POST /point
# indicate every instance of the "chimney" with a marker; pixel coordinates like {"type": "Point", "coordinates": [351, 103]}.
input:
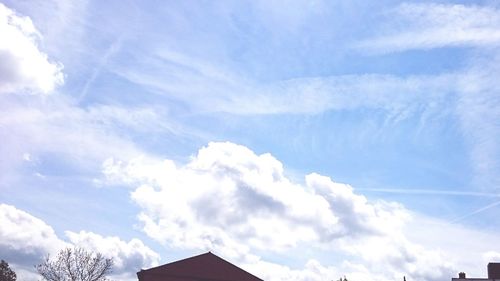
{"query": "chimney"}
{"type": "Point", "coordinates": [494, 270]}
{"type": "Point", "coordinates": [461, 275]}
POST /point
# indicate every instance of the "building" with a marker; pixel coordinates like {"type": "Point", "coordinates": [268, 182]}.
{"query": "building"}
{"type": "Point", "coordinates": [204, 267]}
{"type": "Point", "coordinates": [493, 274]}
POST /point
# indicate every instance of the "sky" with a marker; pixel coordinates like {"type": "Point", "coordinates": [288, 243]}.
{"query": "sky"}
{"type": "Point", "coordinates": [299, 140]}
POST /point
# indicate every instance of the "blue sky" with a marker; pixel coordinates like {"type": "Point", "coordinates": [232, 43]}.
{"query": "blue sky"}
{"type": "Point", "coordinates": [301, 140]}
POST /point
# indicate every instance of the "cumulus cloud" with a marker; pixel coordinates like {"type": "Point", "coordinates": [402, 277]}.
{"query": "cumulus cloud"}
{"type": "Point", "coordinates": [237, 203]}
{"type": "Point", "coordinates": [25, 240]}
{"type": "Point", "coordinates": [23, 67]}
{"type": "Point", "coordinates": [227, 195]}
{"type": "Point", "coordinates": [127, 256]}
{"type": "Point", "coordinates": [312, 270]}
{"type": "Point", "coordinates": [430, 25]}
{"type": "Point", "coordinates": [398, 256]}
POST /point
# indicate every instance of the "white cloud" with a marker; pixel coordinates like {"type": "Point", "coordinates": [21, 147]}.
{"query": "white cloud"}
{"type": "Point", "coordinates": [311, 271]}
{"type": "Point", "coordinates": [34, 125]}
{"type": "Point", "coordinates": [240, 205]}
{"type": "Point", "coordinates": [25, 240]}
{"type": "Point", "coordinates": [237, 203]}
{"type": "Point", "coordinates": [466, 251]}
{"type": "Point", "coordinates": [468, 95]}
{"type": "Point", "coordinates": [430, 25]}
{"type": "Point", "coordinates": [128, 257]}
{"type": "Point", "coordinates": [491, 256]}
{"type": "Point", "coordinates": [228, 195]}
{"type": "Point", "coordinates": [397, 256]}
{"type": "Point", "coordinates": [23, 67]}
{"type": "Point", "coordinates": [478, 109]}
{"type": "Point", "coordinates": [82, 137]}
{"type": "Point", "coordinates": [205, 87]}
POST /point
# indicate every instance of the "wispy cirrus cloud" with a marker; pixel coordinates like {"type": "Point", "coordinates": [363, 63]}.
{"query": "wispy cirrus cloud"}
{"type": "Point", "coordinates": [207, 88]}
{"type": "Point", "coordinates": [55, 126]}
{"type": "Point", "coordinates": [478, 109]}
{"type": "Point", "coordinates": [431, 25]}
{"type": "Point", "coordinates": [463, 95]}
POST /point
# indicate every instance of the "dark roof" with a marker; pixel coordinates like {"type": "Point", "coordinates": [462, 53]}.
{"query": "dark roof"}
{"type": "Point", "coordinates": [493, 270]}
{"type": "Point", "coordinates": [206, 267]}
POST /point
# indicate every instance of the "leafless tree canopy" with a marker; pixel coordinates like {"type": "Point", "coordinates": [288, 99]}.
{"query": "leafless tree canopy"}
{"type": "Point", "coordinates": [75, 265]}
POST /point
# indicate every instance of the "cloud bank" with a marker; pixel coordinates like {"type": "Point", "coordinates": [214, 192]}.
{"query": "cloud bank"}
{"type": "Point", "coordinates": [232, 201]}
{"type": "Point", "coordinates": [229, 195]}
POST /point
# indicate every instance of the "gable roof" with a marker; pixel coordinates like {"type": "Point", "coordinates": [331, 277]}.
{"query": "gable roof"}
{"type": "Point", "coordinates": [206, 267]}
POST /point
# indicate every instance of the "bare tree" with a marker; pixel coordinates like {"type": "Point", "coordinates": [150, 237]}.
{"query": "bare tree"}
{"type": "Point", "coordinates": [6, 273]}
{"type": "Point", "coordinates": [75, 265]}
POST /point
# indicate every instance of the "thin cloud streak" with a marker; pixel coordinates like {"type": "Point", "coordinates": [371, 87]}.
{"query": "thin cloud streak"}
{"type": "Point", "coordinates": [113, 48]}
{"type": "Point", "coordinates": [429, 192]}
{"type": "Point", "coordinates": [487, 207]}
{"type": "Point", "coordinates": [430, 25]}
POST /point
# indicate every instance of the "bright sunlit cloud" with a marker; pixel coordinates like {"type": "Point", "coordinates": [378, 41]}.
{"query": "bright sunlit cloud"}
{"type": "Point", "coordinates": [24, 67]}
